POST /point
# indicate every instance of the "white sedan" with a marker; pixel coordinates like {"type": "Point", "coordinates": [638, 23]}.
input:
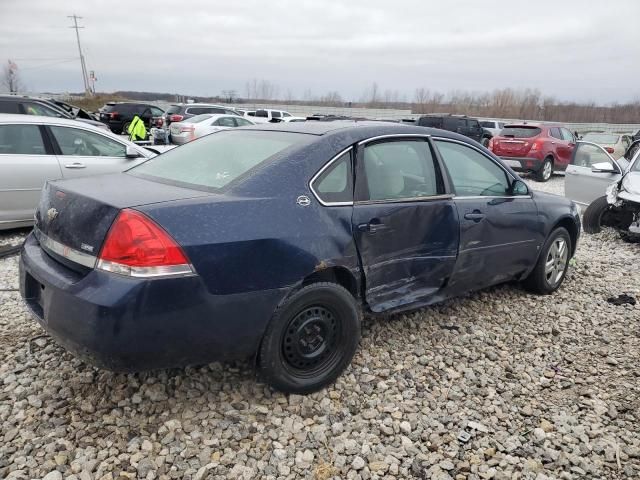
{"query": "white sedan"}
{"type": "Point", "coordinates": [201, 125]}
{"type": "Point", "coordinates": [35, 149]}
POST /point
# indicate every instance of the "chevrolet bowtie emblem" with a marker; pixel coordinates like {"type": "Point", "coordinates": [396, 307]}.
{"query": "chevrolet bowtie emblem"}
{"type": "Point", "coordinates": [52, 213]}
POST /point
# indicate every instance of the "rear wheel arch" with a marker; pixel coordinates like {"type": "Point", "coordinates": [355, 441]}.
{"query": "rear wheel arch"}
{"type": "Point", "coordinates": [338, 275]}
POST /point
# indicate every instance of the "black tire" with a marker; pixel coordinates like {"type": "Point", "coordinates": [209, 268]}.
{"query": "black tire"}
{"type": "Point", "coordinates": [310, 340]}
{"type": "Point", "coordinates": [125, 128]}
{"type": "Point", "coordinates": [485, 141]}
{"type": "Point", "coordinates": [546, 170]}
{"type": "Point", "coordinates": [592, 218]}
{"type": "Point", "coordinates": [539, 280]}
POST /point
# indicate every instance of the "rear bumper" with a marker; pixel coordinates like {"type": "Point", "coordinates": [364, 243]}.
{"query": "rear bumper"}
{"type": "Point", "coordinates": [127, 324]}
{"type": "Point", "coordinates": [179, 139]}
{"type": "Point", "coordinates": [523, 164]}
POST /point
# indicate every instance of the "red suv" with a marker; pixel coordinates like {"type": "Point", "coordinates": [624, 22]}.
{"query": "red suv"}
{"type": "Point", "coordinates": [540, 149]}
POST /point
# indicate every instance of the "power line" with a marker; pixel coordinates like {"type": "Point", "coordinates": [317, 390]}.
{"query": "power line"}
{"type": "Point", "coordinates": [85, 78]}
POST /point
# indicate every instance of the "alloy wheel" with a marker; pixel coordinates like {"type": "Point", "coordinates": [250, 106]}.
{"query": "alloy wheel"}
{"type": "Point", "coordinates": [547, 170]}
{"type": "Point", "coordinates": [556, 262]}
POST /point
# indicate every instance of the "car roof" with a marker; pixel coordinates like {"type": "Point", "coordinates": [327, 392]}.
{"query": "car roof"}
{"type": "Point", "coordinates": [356, 129]}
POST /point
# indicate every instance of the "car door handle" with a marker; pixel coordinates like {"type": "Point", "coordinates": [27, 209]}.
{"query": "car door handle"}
{"type": "Point", "coordinates": [372, 227]}
{"type": "Point", "coordinates": [476, 216]}
{"type": "Point", "coordinates": [75, 165]}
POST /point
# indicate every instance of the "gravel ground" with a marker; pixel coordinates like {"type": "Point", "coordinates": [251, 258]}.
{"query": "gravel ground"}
{"type": "Point", "coordinates": [547, 387]}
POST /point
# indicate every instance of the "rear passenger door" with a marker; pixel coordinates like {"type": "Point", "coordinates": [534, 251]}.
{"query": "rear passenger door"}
{"type": "Point", "coordinates": [83, 152]}
{"type": "Point", "coordinates": [499, 232]}
{"type": "Point", "coordinates": [26, 162]}
{"type": "Point", "coordinates": [404, 221]}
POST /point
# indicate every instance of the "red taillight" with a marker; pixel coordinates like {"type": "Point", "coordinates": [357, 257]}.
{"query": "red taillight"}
{"type": "Point", "coordinates": [609, 149]}
{"type": "Point", "coordinates": [175, 118]}
{"type": "Point", "coordinates": [534, 146]}
{"type": "Point", "coordinates": [137, 246]}
{"type": "Point", "coordinates": [114, 115]}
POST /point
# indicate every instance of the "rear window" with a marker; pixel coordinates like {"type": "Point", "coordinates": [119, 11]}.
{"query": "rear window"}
{"type": "Point", "coordinates": [520, 132]}
{"type": "Point", "coordinates": [216, 160]}
{"type": "Point", "coordinates": [173, 109]}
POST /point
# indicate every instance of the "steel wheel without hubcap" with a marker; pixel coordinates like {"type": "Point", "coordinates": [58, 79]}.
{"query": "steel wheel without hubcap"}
{"type": "Point", "coordinates": [311, 340]}
{"type": "Point", "coordinates": [556, 262]}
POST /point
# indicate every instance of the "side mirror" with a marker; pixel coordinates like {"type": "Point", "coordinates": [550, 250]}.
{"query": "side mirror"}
{"type": "Point", "coordinates": [603, 167]}
{"type": "Point", "coordinates": [131, 152]}
{"type": "Point", "coordinates": [518, 187]}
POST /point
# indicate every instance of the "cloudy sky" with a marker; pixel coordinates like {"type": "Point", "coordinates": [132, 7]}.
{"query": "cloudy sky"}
{"type": "Point", "coordinates": [574, 50]}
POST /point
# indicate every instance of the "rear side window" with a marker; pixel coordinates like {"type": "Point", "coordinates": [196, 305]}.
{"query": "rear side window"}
{"type": "Point", "coordinates": [435, 122]}
{"type": "Point", "coordinates": [9, 107]}
{"type": "Point", "coordinates": [261, 113]}
{"type": "Point", "coordinates": [241, 122]}
{"type": "Point", "coordinates": [472, 173]}
{"type": "Point", "coordinates": [555, 133]}
{"type": "Point", "coordinates": [335, 184]}
{"type": "Point", "coordinates": [520, 132]}
{"type": "Point", "coordinates": [216, 160]}
{"type": "Point", "coordinates": [401, 169]}
{"type": "Point", "coordinates": [225, 122]}
{"type": "Point", "coordinates": [452, 124]}
{"type": "Point", "coordinates": [21, 140]}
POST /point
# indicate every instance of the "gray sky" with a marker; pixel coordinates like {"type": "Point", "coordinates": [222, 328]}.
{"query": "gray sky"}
{"type": "Point", "coordinates": [574, 50]}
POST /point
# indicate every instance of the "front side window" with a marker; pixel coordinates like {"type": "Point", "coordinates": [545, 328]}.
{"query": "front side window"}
{"type": "Point", "coordinates": [21, 140]}
{"type": "Point", "coordinates": [567, 135]}
{"type": "Point", "coordinates": [216, 160]}
{"type": "Point", "coordinates": [275, 114]}
{"type": "Point", "coordinates": [77, 142]}
{"type": "Point", "coordinates": [587, 155]}
{"type": "Point", "coordinates": [335, 184]}
{"type": "Point", "coordinates": [401, 169]}
{"type": "Point", "coordinates": [261, 113]}
{"type": "Point", "coordinates": [472, 173]}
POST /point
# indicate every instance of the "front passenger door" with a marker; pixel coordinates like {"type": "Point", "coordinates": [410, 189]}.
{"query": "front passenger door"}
{"type": "Point", "coordinates": [499, 232]}
{"type": "Point", "coordinates": [405, 223]}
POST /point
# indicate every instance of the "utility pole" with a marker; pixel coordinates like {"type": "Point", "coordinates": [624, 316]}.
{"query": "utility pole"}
{"type": "Point", "coordinates": [85, 78]}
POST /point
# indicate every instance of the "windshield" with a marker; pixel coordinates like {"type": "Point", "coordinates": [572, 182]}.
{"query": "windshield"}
{"type": "Point", "coordinates": [600, 138]}
{"type": "Point", "coordinates": [216, 160]}
{"type": "Point", "coordinates": [198, 118]}
{"type": "Point", "coordinates": [520, 132]}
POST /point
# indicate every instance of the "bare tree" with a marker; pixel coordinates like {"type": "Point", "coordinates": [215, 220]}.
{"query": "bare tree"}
{"type": "Point", "coordinates": [10, 78]}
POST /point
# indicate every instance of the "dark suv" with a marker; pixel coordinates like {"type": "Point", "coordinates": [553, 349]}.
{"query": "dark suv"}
{"type": "Point", "coordinates": [118, 116]}
{"type": "Point", "coordinates": [467, 126]}
{"type": "Point", "coordinates": [181, 111]}
{"type": "Point", "coordinates": [37, 106]}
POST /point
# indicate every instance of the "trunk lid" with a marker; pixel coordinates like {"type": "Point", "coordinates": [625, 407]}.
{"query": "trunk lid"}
{"type": "Point", "coordinates": [78, 213]}
{"type": "Point", "coordinates": [511, 147]}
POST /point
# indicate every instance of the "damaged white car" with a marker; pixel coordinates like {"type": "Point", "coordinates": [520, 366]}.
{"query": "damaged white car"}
{"type": "Point", "coordinates": [609, 188]}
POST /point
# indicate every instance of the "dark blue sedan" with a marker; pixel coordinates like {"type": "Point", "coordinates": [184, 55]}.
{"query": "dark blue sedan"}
{"type": "Point", "coordinates": [270, 241]}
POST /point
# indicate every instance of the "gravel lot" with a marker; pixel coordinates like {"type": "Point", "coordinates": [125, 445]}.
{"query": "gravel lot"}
{"type": "Point", "coordinates": [552, 384]}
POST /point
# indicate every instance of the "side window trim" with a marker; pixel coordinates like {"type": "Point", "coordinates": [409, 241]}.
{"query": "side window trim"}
{"type": "Point", "coordinates": [322, 170]}
{"type": "Point", "coordinates": [509, 174]}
